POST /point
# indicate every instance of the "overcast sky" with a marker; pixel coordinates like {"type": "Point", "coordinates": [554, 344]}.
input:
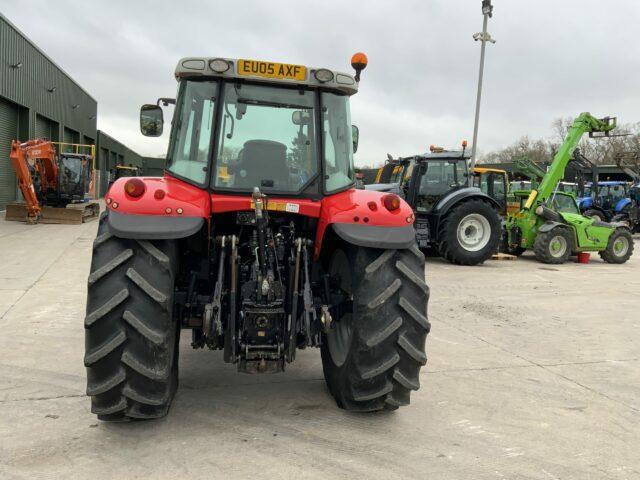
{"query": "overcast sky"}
{"type": "Point", "coordinates": [552, 58]}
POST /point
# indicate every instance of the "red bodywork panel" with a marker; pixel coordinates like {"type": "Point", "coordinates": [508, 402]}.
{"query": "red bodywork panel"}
{"type": "Point", "coordinates": [193, 201]}
{"type": "Point", "coordinates": [363, 207]}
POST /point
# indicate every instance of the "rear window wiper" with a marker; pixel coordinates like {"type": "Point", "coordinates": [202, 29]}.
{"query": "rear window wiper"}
{"type": "Point", "coordinates": [266, 103]}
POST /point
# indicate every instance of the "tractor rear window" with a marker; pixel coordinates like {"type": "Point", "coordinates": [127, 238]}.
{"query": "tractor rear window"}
{"type": "Point", "coordinates": [266, 139]}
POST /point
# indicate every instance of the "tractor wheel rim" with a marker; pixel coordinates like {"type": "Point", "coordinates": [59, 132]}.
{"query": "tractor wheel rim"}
{"type": "Point", "coordinates": [474, 232]}
{"type": "Point", "coordinates": [340, 336]}
{"type": "Point", "coordinates": [620, 246]}
{"type": "Point", "coordinates": [558, 246]}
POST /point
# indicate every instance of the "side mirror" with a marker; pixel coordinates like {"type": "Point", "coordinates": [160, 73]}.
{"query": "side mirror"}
{"type": "Point", "coordinates": [355, 135]}
{"type": "Point", "coordinates": [151, 120]}
{"type": "Point", "coordinates": [301, 117]}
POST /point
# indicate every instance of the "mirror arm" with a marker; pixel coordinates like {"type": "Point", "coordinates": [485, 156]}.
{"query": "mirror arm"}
{"type": "Point", "coordinates": [166, 101]}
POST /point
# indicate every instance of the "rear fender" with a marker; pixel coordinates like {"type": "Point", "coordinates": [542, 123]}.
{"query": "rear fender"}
{"type": "Point", "coordinates": [585, 203]}
{"type": "Point", "coordinates": [548, 226]}
{"type": "Point", "coordinates": [453, 198]}
{"type": "Point", "coordinates": [622, 204]}
{"type": "Point", "coordinates": [359, 217]}
{"type": "Point", "coordinates": [179, 213]}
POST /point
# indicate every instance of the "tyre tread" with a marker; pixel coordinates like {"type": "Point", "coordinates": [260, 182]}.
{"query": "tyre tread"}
{"type": "Point", "coordinates": [387, 351]}
{"type": "Point", "coordinates": [131, 352]}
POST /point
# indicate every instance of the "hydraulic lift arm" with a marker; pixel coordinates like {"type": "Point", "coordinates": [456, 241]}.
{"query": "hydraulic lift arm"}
{"type": "Point", "coordinates": [582, 165]}
{"type": "Point", "coordinates": [529, 169]}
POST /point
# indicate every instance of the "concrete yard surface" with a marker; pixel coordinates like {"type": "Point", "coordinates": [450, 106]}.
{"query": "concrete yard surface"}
{"type": "Point", "coordinates": [533, 373]}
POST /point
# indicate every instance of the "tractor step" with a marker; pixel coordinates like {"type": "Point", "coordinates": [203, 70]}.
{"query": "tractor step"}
{"type": "Point", "coordinates": [503, 256]}
{"type": "Point", "coordinates": [73, 214]}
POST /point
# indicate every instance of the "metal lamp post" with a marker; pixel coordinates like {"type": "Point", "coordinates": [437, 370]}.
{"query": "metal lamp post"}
{"type": "Point", "coordinates": [484, 37]}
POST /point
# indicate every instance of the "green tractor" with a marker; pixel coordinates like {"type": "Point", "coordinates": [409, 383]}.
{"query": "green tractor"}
{"type": "Point", "coordinates": [550, 223]}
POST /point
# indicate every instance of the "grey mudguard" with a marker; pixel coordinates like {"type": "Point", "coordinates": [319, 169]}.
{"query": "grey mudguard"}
{"type": "Point", "coordinates": [452, 198]}
{"type": "Point", "coordinates": [376, 237]}
{"type": "Point", "coordinates": [152, 227]}
{"type": "Point", "coordinates": [548, 226]}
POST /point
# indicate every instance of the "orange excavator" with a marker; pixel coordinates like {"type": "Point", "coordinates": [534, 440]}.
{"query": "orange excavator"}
{"type": "Point", "coordinates": [55, 186]}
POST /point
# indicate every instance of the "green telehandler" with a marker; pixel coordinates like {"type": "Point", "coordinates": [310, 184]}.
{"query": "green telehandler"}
{"type": "Point", "coordinates": [550, 222]}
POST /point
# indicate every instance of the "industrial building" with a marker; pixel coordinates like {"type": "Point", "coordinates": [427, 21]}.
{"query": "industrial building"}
{"type": "Point", "coordinates": [109, 153]}
{"type": "Point", "coordinates": [38, 99]}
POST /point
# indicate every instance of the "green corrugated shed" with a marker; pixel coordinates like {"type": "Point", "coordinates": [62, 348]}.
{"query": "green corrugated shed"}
{"type": "Point", "coordinates": [153, 167]}
{"type": "Point", "coordinates": [37, 99]}
{"type": "Point", "coordinates": [110, 152]}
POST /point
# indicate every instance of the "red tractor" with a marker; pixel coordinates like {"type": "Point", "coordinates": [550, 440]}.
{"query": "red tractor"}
{"type": "Point", "coordinates": [258, 242]}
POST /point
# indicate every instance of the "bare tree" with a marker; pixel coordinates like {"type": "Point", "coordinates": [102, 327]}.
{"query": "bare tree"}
{"type": "Point", "coordinates": [542, 150]}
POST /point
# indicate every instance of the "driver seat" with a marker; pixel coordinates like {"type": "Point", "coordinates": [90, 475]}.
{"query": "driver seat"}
{"type": "Point", "coordinates": [263, 163]}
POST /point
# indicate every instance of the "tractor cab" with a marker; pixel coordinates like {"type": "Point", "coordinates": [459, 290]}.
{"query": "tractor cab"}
{"type": "Point", "coordinates": [74, 177]}
{"type": "Point", "coordinates": [493, 182]}
{"type": "Point", "coordinates": [436, 174]}
{"type": "Point", "coordinates": [285, 129]}
{"type": "Point", "coordinates": [122, 171]}
{"type": "Point", "coordinates": [604, 199]}
{"type": "Point", "coordinates": [561, 202]}
{"type": "Point", "coordinates": [393, 176]}
{"type": "Point", "coordinates": [461, 222]}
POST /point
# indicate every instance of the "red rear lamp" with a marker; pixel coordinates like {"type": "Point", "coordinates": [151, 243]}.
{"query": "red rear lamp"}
{"type": "Point", "coordinates": [134, 187]}
{"type": "Point", "coordinates": [372, 206]}
{"type": "Point", "coordinates": [391, 202]}
{"type": "Point", "coordinates": [159, 194]}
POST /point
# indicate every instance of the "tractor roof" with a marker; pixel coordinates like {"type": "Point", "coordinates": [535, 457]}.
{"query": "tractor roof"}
{"type": "Point", "coordinates": [268, 72]}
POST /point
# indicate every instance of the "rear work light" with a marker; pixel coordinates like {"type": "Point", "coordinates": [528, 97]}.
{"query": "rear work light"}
{"type": "Point", "coordinates": [219, 65]}
{"type": "Point", "coordinates": [134, 187]}
{"type": "Point", "coordinates": [391, 202]}
{"type": "Point", "coordinates": [323, 75]}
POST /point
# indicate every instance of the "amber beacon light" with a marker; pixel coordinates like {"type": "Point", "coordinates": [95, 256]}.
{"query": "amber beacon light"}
{"type": "Point", "coordinates": [359, 62]}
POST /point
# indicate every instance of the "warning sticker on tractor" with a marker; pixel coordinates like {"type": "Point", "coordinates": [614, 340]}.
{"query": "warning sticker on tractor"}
{"type": "Point", "coordinates": [256, 68]}
{"type": "Point", "coordinates": [292, 207]}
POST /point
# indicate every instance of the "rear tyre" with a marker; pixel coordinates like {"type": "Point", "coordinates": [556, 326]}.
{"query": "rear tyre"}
{"type": "Point", "coordinates": [131, 339]}
{"type": "Point", "coordinates": [470, 233]}
{"type": "Point", "coordinates": [554, 246]}
{"type": "Point", "coordinates": [372, 357]}
{"type": "Point", "coordinates": [619, 248]}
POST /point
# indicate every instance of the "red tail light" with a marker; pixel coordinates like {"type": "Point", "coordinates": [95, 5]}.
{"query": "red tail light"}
{"type": "Point", "coordinates": [134, 187]}
{"type": "Point", "coordinates": [391, 202]}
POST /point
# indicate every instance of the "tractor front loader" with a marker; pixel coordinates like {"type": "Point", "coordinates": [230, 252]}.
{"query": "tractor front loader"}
{"type": "Point", "coordinates": [255, 241]}
{"type": "Point", "coordinates": [550, 222]}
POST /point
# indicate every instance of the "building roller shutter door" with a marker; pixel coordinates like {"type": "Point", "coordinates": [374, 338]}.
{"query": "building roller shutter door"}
{"type": "Point", "coordinates": [46, 128]}
{"type": "Point", "coordinates": [70, 136]}
{"type": "Point", "coordinates": [8, 132]}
